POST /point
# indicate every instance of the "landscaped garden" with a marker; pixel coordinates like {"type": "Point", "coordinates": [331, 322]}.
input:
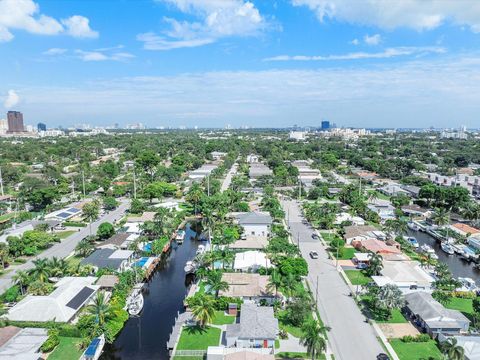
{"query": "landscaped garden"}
{"type": "Point", "coordinates": [221, 318]}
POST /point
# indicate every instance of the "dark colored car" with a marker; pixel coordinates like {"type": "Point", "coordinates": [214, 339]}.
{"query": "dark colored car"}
{"type": "Point", "coordinates": [314, 236]}
{"type": "Point", "coordinates": [383, 356]}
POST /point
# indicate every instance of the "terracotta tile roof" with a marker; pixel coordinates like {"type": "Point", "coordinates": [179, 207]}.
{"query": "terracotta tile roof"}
{"type": "Point", "coordinates": [466, 228]}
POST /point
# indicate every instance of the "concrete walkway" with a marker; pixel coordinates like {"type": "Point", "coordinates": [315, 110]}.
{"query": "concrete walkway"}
{"type": "Point", "coordinates": [350, 337]}
{"type": "Point", "coordinates": [292, 345]}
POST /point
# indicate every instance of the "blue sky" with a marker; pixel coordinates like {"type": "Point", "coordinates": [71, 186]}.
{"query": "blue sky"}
{"type": "Point", "coordinates": [361, 63]}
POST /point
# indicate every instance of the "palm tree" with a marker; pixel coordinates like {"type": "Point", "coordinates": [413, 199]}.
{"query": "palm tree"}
{"type": "Point", "coordinates": [194, 195]}
{"type": "Point", "coordinates": [215, 282]}
{"type": "Point", "coordinates": [58, 267]}
{"type": "Point", "coordinates": [90, 213]}
{"type": "Point", "coordinates": [390, 297]}
{"type": "Point", "coordinates": [41, 271]}
{"type": "Point", "coordinates": [472, 212]}
{"type": "Point", "coordinates": [452, 350]}
{"type": "Point", "coordinates": [373, 196]}
{"type": "Point", "coordinates": [4, 254]}
{"type": "Point", "coordinates": [312, 338]}
{"type": "Point", "coordinates": [203, 308]}
{"type": "Point", "coordinates": [375, 264]}
{"type": "Point", "coordinates": [442, 270]}
{"type": "Point", "coordinates": [441, 217]}
{"type": "Point", "coordinates": [289, 284]}
{"type": "Point", "coordinates": [22, 279]}
{"type": "Point", "coordinates": [274, 282]}
{"type": "Point", "coordinates": [84, 248]}
{"type": "Point", "coordinates": [100, 309]}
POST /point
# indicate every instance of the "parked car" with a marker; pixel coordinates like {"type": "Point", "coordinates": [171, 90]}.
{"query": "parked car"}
{"type": "Point", "coordinates": [383, 356]}
{"type": "Point", "coordinates": [313, 254]}
{"type": "Point", "coordinates": [362, 266]}
{"type": "Point", "coordinates": [314, 236]}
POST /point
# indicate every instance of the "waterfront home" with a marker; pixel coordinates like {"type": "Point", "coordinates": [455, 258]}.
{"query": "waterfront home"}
{"type": "Point", "coordinates": [474, 241]}
{"type": "Point", "coordinates": [250, 242]}
{"type": "Point", "coordinates": [251, 261]}
{"type": "Point", "coordinates": [119, 241]}
{"type": "Point", "coordinates": [415, 211]}
{"type": "Point", "coordinates": [471, 346]}
{"type": "Point", "coordinates": [21, 344]}
{"type": "Point", "coordinates": [464, 229]}
{"type": "Point", "coordinates": [376, 246]}
{"type": "Point", "coordinates": [224, 353]}
{"type": "Point", "coordinates": [255, 223]}
{"type": "Point", "coordinates": [346, 217]}
{"type": "Point", "coordinates": [384, 209]}
{"type": "Point", "coordinates": [258, 328]}
{"type": "Point", "coordinates": [248, 287]}
{"type": "Point", "coordinates": [107, 282]}
{"type": "Point", "coordinates": [359, 232]}
{"type": "Point", "coordinates": [407, 275]}
{"type": "Point", "coordinates": [108, 258]}
{"type": "Point", "coordinates": [392, 189]}
{"type": "Point", "coordinates": [433, 317]}
{"type": "Point", "coordinates": [133, 228]}
{"type": "Point", "coordinates": [69, 296]}
{"type": "Point", "coordinates": [146, 216]}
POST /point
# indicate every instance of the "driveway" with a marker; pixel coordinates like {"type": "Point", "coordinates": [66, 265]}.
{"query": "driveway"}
{"type": "Point", "coordinates": [64, 248]}
{"type": "Point", "coordinates": [350, 337]}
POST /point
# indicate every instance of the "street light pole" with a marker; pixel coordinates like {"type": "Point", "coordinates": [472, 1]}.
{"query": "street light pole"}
{"type": "Point", "coordinates": [316, 295]}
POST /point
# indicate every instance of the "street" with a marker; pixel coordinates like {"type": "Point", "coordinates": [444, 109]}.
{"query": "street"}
{"type": "Point", "coordinates": [228, 179]}
{"type": "Point", "coordinates": [350, 336]}
{"type": "Point", "coordinates": [64, 248]}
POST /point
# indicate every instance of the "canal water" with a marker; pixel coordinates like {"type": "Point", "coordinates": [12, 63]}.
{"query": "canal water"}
{"type": "Point", "coordinates": [458, 267]}
{"type": "Point", "coordinates": [146, 337]}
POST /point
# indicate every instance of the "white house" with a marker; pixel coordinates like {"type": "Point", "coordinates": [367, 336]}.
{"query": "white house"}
{"type": "Point", "coordinates": [251, 261]}
{"type": "Point", "coordinates": [344, 217]}
{"type": "Point", "coordinates": [255, 223]}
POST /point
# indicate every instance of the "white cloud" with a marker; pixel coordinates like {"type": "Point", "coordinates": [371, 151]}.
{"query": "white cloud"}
{"type": "Point", "coordinates": [386, 54]}
{"type": "Point", "coordinates": [355, 42]}
{"type": "Point", "coordinates": [216, 19]}
{"type": "Point", "coordinates": [55, 52]}
{"type": "Point", "coordinates": [386, 14]}
{"type": "Point", "coordinates": [442, 92]}
{"type": "Point", "coordinates": [78, 26]}
{"type": "Point", "coordinates": [372, 40]}
{"type": "Point", "coordinates": [103, 56]}
{"type": "Point", "coordinates": [25, 15]}
{"type": "Point", "coordinates": [11, 100]}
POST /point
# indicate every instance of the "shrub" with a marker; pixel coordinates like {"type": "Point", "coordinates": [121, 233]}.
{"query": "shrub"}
{"type": "Point", "coordinates": [51, 343]}
{"type": "Point", "coordinates": [74, 224]}
{"type": "Point", "coordinates": [419, 338]}
{"type": "Point", "coordinates": [11, 295]}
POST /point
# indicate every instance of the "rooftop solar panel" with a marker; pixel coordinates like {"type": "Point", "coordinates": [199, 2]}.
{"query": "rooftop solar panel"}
{"type": "Point", "coordinates": [80, 298]}
{"type": "Point", "coordinates": [73, 210]}
{"type": "Point", "coordinates": [64, 215]}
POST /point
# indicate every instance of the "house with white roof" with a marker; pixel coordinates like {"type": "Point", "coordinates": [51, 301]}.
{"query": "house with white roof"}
{"type": "Point", "coordinates": [407, 275]}
{"type": "Point", "coordinates": [69, 296]}
{"type": "Point", "coordinates": [251, 261]}
{"type": "Point", "coordinates": [346, 217]}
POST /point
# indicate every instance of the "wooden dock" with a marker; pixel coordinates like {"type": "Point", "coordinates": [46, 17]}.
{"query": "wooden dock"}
{"type": "Point", "coordinates": [180, 320]}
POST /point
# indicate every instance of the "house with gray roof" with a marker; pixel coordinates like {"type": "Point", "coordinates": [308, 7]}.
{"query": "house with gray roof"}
{"type": "Point", "coordinates": [433, 317]}
{"type": "Point", "coordinates": [21, 344]}
{"type": "Point", "coordinates": [108, 258]}
{"type": "Point", "coordinates": [255, 223]}
{"type": "Point", "coordinates": [258, 328]}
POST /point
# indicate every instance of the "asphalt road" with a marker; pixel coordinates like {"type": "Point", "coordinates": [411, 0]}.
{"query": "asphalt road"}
{"type": "Point", "coordinates": [350, 337]}
{"type": "Point", "coordinates": [64, 248]}
{"type": "Point", "coordinates": [228, 178]}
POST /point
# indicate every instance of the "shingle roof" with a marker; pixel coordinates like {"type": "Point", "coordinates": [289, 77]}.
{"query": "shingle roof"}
{"type": "Point", "coordinates": [257, 218]}
{"type": "Point", "coordinates": [245, 284]}
{"type": "Point", "coordinates": [256, 322]}
{"type": "Point", "coordinates": [107, 258]}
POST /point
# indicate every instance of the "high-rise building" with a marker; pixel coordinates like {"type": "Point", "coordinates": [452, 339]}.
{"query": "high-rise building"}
{"type": "Point", "coordinates": [3, 126]}
{"type": "Point", "coordinates": [15, 122]}
{"type": "Point", "coordinates": [41, 127]}
{"type": "Point", "coordinates": [325, 125]}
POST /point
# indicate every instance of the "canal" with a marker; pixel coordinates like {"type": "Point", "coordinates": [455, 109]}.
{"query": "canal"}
{"type": "Point", "coordinates": [458, 267]}
{"type": "Point", "coordinates": [145, 337]}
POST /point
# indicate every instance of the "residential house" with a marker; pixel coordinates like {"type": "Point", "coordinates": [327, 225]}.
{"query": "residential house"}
{"type": "Point", "coordinates": [258, 170]}
{"type": "Point", "coordinates": [224, 353]}
{"type": "Point", "coordinates": [376, 246]}
{"type": "Point", "coordinates": [470, 345]}
{"type": "Point", "coordinates": [433, 317]}
{"type": "Point", "coordinates": [218, 155]}
{"type": "Point", "coordinates": [21, 344]}
{"type": "Point", "coordinates": [412, 190]}
{"type": "Point", "coordinates": [108, 258]}
{"type": "Point", "coordinates": [248, 286]}
{"type": "Point", "coordinates": [251, 261]}
{"type": "Point", "coordinates": [464, 229]}
{"type": "Point", "coordinates": [359, 232]}
{"type": "Point", "coordinates": [258, 328]}
{"type": "Point", "coordinates": [407, 275]}
{"type": "Point", "coordinates": [255, 223]}
{"type": "Point", "coordinates": [392, 189]}
{"type": "Point", "coordinates": [415, 211]}
{"type": "Point", "coordinates": [346, 217]}
{"type": "Point", "coordinates": [384, 209]}
{"type": "Point", "coordinates": [252, 158]}
{"type": "Point", "coordinates": [250, 242]}
{"type": "Point", "coordinates": [69, 296]}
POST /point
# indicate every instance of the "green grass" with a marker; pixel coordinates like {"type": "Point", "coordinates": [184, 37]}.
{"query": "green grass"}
{"type": "Point", "coordinates": [65, 234]}
{"type": "Point", "coordinates": [328, 237]}
{"type": "Point", "coordinates": [6, 217]}
{"type": "Point", "coordinates": [66, 350]}
{"type": "Point", "coordinates": [463, 305]}
{"type": "Point", "coordinates": [196, 338]}
{"type": "Point", "coordinates": [357, 277]}
{"type": "Point", "coordinates": [347, 254]}
{"type": "Point", "coordinates": [285, 325]}
{"type": "Point", "coordinates": [380, 195]}
{"type": "Point", "coordinates": [396, 318]}
{"type": "Point", "coordinates": [73, 261]}
{"type": "Point", "coordinates": [296, 355]}
{"type": "Point", "coordinates": [223, 319]}
{"type": "Point", "coordinates": [416, 351]}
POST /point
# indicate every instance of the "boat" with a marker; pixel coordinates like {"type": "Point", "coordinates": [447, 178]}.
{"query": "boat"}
{"type": "Point", "coordinates": [180, 236]}
{"type": "Point", "coordinates": [412, 241]}
{"type": "Point", "coordinates": [447, 248]}
{"type": "Point", "coordinates": [190, 267]}
{"type": "Point", "coordinates": [412, 226]}
{"type": "Point", "coordinates": [94, 349]}
{"type": "Point", "coordinates": [201, 249]}
{"type": "Point", "coordinates": [135, 300]}
{"type": "Point", "coordinates": [467, 284]}
{"type": "Point", "coordinates": [428, 250]}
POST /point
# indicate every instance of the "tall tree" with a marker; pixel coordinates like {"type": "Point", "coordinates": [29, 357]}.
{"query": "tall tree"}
{"type": "Point", "coordinates": [313, 339]}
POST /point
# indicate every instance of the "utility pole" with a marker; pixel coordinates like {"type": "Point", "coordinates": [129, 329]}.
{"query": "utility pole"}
{"type": "Point", "coordinates": [83, 183]}
{"type": "Point", "coordinates": [1, 182]}
{"type": "Point", "coordinates": [73, 187]}
{"type": "Point", "coordinates": [299, 189]}
{"type": "Point", "coordinates": [134, 185]}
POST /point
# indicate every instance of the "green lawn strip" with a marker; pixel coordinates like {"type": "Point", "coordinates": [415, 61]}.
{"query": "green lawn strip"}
{"type": "Point", "coordinates": [296, 355]}
{"type": "Point", "coordinates": [328, 237]}
{"type": "Point", "coordinates": [8, 216]}
{"type": "Point", "coordinates": [396, 318]}
{"type": "Point", "coordinates": [65, 234]}
{"type": "Point", "coordinates": [66, 350]}
{"type": "Point", "coordinates": [347, 253]}
{"type": "Point", "coordinates": [357, 277]}
{"type": "Point", "coordinates": [463, 305]}
{"type": "Point", "coordinates": [73, 261]}
{"type": "Point", "coordinates": [196, 338]}
{"type": "Point", "coordinates": [223, 319]}
{"type": "Point", "coordinates": [416, 351]}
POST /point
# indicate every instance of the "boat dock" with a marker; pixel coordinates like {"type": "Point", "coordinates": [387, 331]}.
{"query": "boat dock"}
{"type": "Point", "coordinates": [180, 320]}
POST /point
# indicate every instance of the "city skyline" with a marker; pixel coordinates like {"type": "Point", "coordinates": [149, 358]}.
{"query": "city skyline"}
{"type": "Point", "coordinates": [209, 63]}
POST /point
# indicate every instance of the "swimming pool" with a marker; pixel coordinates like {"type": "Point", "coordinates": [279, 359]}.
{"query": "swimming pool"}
{"type": "Point", "coordinates": [141, 262]}
{"type": "Point", "coordinates": [147, 247]}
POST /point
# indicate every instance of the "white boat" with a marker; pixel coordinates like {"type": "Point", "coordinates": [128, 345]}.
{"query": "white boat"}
{"type": "Point", "coordinates": [94, 349]}
{"type": "Point", "coordinates": [412, 226]}
{"type": "Point", "coordinates": [201, 249]}
{"type": "Point", "coordinates": [467, 284]}
{"type": "Point", "coordinates": [180, 236]}
{"type": "Point", "coordinates": [447, 248]}
{"type": "Point", "coordinates": [412, 241]}
{"type": "Point", "coordinates": [135, 300]}
{"type": "Point", "coordinates": [190, 267]}
{"type": "Point", "coordinates": [428, 250]}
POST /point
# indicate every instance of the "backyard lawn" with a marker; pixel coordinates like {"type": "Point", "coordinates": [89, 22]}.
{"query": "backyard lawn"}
{"type": "Point", "coordinates": [396, 318]}
{"type": "Point", "coordinates": [66, 350]}
{"type": "Point", "coordinates": [416, 351]}
{"type": "Point", "coordinates": [463, 305]}
{"type": "Point", "coordinates": [357, 277]}
{"type": "Point", "coordinates": [348, 253]}
{"type": "Point", "coordinates": [196, 338]}
{"type": "Point", "coordinates": [223, 319]}
{"type": "Point", "coordinates": [285, 325]}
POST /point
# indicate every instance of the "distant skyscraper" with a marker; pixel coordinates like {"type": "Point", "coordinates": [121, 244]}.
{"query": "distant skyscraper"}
{"type": "Point", "coordinates": [15, 122]}
{"type": "Point", "coordinates": [325, 125]}
{"type": "Point", "coordinates": [41, 127]}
